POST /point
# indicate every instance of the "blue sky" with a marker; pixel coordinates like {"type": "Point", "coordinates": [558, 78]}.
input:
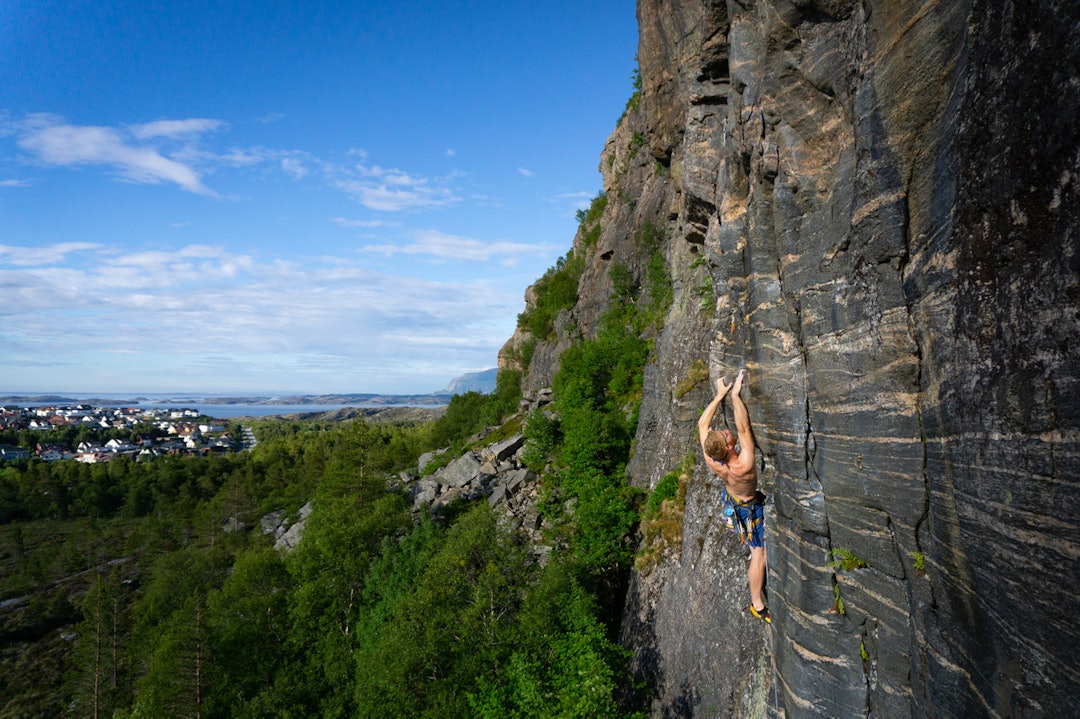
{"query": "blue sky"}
{"type": "Point", "coordinates": [259, 197]}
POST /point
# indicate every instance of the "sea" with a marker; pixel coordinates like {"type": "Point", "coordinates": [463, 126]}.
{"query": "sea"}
{"type": "Point", "coordinates": [209, 405]}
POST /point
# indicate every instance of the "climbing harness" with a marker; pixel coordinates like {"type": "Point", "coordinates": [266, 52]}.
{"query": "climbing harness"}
{"type": "Point", "coordinates": [731, 513]}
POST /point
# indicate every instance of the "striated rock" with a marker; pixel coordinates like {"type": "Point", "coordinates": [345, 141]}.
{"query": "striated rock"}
{"type": "Point", "coordinates": [871, 207]}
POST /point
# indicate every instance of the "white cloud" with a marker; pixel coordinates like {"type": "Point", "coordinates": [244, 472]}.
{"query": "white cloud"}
{"type": "Point", "coordinates": [54, 142]}
{"type": "Point", "coordinates": [169, 151]}
{"type": "Point", "coordinates": [390, 189]}
{"type": "Point", "coordinates": [175, 128]}
{"type": "Point", "coordinates": [577, 197]}
{"type": "Point", "coordinates": [294, 167]}
{"type": "Point", "coordinates": [36, 256]}
{"type": "Point", "coordinates": [270, 117]}
{"type": "Point", "coordinates": [345, 222]}
{"type": "Point", "coordinates": [14, 183]}
{"type": "Point", "coordinates": [577, 200]}
{"type": "Point", "coordinates": [330, 316]}
{"type": "Point", "coordinates": [237, 157]}
{"type": "Point", "coordinates": [392, 195]}
{"type": "Point", "coordinates": [454, 247]}
{"type": "Point", "coordinates": [450, 152]}
{"type": "Point", "coordinates": [526, 172]}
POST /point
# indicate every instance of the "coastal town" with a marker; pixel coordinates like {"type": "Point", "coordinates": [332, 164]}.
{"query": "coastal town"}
{"type": "Point", "coordinates": [93, 434]}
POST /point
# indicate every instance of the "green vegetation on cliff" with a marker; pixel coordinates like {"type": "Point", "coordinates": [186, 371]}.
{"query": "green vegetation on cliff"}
{"type": "Point", "coordinates": [556, 290]}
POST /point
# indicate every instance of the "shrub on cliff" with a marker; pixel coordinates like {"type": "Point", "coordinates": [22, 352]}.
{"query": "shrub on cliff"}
{"type": "Point", "coordinates": [557, 290]}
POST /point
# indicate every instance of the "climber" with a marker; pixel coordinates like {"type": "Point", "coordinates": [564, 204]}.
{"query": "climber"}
{"type": "Point", "coordinates": [735, 465]}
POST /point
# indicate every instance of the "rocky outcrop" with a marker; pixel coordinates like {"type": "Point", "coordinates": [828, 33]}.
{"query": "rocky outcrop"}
{"type": "Point", "coordinates": [495, 473]}
{"type": "Point", "coordinates": [872, 207]}
{"type": "Point", "coordinates": [285, 531]}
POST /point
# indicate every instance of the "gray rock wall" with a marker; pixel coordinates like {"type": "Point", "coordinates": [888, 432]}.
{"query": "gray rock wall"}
{"type": "Point", "coordinates": [872, 207]}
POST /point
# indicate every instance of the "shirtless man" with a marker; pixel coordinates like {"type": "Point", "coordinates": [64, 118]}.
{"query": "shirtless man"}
{"type": "Point", "coordinates": [737, 468]}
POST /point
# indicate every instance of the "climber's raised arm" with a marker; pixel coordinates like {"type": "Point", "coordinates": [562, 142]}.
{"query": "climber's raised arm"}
{"type": "Point", "coordinates": [742, 421]}
{"type": "Point", "coordinates": [705, 422]}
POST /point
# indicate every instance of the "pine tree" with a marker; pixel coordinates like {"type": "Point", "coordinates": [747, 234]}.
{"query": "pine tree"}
{"type": "Point", "coordinates": [98, 659]}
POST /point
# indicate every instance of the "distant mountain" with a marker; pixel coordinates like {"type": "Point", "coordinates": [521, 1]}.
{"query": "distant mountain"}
{"type": "Point", "coordinates": [472, 382]}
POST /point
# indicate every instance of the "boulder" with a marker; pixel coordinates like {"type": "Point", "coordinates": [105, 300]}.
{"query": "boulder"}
{"type": "Point", "coordinates": [514, 479]}
{"type": "Point", "coordinates": [424, 492]}
{"type": "Point", "coordinates": [459, 472]}
{"type": "Point", "coordinates": [426, 457]}
{"type": "Point", "coordinates": [273, 523]}
{"type": "Point", "coordinates": [448, 497]}
{"type": "Point", "coordinates": [506, 449]}
{"type": "Point", "coordinates": [497, 495]}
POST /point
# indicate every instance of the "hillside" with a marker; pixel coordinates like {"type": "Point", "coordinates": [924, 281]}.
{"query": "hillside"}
{"type": "Point", "coordinates": [871, 207]}
{"type": "Point", "coordinates": [471, 382]}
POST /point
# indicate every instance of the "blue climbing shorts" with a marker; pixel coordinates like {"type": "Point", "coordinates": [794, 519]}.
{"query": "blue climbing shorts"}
{"type": "Point", "coordinates": [749, 517]}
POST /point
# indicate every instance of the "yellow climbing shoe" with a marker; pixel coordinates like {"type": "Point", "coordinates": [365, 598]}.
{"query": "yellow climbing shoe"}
{"type": "Point", "coordinates": [763, 614]}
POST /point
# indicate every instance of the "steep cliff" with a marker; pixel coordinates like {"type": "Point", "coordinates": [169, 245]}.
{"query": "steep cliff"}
{"type": "Point", "coordinates": [872, 207]}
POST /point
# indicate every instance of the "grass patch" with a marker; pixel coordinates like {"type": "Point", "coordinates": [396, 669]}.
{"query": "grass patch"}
{"type": "Point", "coordinates": [698, 372]}
{"type": "Point", "coordinates": [662, 517]}
{"type": "Point", "coordinates": [845, 560]}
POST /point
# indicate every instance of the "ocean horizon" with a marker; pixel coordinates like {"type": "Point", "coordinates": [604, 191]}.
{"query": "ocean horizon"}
{"type": "Point", "coordinates": [222, 405]}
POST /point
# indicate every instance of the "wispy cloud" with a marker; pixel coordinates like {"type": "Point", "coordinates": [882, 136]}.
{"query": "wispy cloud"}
{"type": "Point", "coordinates": [525, 172]}
{"type": "Point", "coordinates": [294, 167]}
{"type": "Point", "coordinates": [175, 128]}
{"type": "Point", "coordinates": [270, 117]}
{"type": "Point", "coordinates": [54, 142]}
{"type": "Point", "coordinates": [328, 317]}
{"type": "Point", "coordinates": [179, 152]}
{"type": "Point", "coordinates": [443, 246]}
{"type": "Point", "coordinates": [393, 190]}
{"type": "Point", "coordinates": [14, 183]}
{"type": "Point", "coordinates": [576, 197]}
{"type": "Point", "coordinates": [345, 222]}
{"type": "Point", "coordinates": [575, 200]}
{"type": "Point", "coordinates": [37, 256]}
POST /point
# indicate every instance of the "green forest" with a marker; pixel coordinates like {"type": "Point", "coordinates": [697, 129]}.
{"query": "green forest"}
{"type": "Point", "coordinates": [145, 589]}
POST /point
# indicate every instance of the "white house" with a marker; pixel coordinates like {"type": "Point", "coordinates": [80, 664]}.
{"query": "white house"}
{"type": "Point", "coordinates": [93, 457]}
{"type": "Point", "coordinates": [115, 445]}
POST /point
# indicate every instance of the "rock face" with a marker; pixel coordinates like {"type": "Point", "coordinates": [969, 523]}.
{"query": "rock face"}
{"type": "Point", "coordinates": [872, 207]}
{"type": "Point", "coordinates": [286, 535]}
